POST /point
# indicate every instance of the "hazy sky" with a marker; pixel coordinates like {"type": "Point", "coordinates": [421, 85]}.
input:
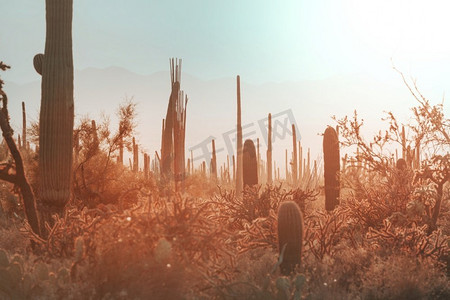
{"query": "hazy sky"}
{"type": "Point", "coordinates": [260, 40]}
{"type": "Point", "coordinates": [263, 41]}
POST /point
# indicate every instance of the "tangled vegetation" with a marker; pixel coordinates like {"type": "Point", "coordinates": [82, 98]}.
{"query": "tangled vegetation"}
{"type": "Point", "coordinates": [127, 234]}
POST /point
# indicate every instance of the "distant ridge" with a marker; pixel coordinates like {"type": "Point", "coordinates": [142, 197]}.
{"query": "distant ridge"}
{"type": "Point", "coordinates": [211, 108]}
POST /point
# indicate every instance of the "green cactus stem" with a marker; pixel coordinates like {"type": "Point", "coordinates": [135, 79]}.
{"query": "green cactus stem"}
{"type": "Point", "coordinates": [269, 151]}
{"type": "Point", "coordinates": [57, 110]}
{"type": "Point", "coordinates": [239, 181]}
{"type": "Point", "coordinates": [294, 156]}
{"type": "Point", "coordinates": [290, 236]}
{"type": "Point", "coordinates": [249, 164]}
{"type": "Point", "coordinates": [331, 168]}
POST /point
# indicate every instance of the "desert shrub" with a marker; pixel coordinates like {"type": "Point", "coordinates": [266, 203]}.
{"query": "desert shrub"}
{"type": "Point", "coordinates": [326, 230]}
{"type": "Point", "coordinates": [336, 277]}
{"type": "Point", "coordinates": [258, 202]}
{"type": "Point", "coordinates": [98, 177]}
{"type": "Point", "coordinates": [404, 277]}
{"type": "Point", "coordinates": [412, 239]}
{"type": "Point", "coordinates": [30, 277]}
{"type": "Point", "coordinates": [199, 186]}
{"type": "Point", "coordinates": [158, 249]}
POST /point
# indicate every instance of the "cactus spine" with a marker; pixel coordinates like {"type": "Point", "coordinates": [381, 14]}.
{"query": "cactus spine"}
{"type": "Point", "coordinates": [57, 109]}
{"type": "Point", "coordinates": [250, 164]}
{"type": "Point", "coordinates": [269, 151]}
{"type": "Point", "coordinates": [239, 181]}
{"type": "Point", "coordinates": [290, 236]}
{"type": "Point", "coordinates": [331, 168]}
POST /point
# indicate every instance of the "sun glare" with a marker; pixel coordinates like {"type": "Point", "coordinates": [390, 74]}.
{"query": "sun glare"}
{"type": "Point", "coordinates": [413, 30]}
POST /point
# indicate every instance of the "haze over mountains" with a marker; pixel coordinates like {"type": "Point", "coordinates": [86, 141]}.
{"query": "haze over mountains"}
{"type": "Point", "coordinates": [211, 109]}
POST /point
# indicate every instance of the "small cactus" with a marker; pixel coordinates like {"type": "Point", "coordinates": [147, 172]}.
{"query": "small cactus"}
{"type": "Point", "coordinates": [41, 271]}
{"type": "Point", "coordinates": [299, 282]}
{"type": "Point", "coordinates": [249, 164]}
{"type": "Point", "coordinates": [79, 248]}
{"type": "Point", "coordinates": [27, 283]}
{"type": "Point", "coordinates": [331, 168]}
{"type": "Point", "coordinates": [18, 259]}
{"type": "Point", "coordinates": [63, 276]}
{"type": "Point", "coordinates": [15, 273]}
{"type": "Point", "coordinates": [284, 288]}
{"type": "Point", "coordinates": [163, 250]}
{"type": "Point", "coordinates": [290, 236]}
{"type": "Point", "coordinates": [4, 261]}
{"type": "Point", "coordinates": [401, 164]}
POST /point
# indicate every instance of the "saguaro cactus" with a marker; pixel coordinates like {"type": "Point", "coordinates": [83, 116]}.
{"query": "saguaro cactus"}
{"type": "Point", "coordinates": [57, 109]}
{"type": "Point", "coordinates": [331, 168]}
{"type": "Point", "coordinates": [294, 156]}
{"type": "Point", "coordinates": [135, 156]}
{"type": "Point", "coordinates": [213, 165]}
{"type": "Point", "coordinates": [250, 164]}
{"type": "Point", "coordinates": [167, 152]}
{"type": "Point", "coordinates": [239, 181]}
{"type": "Point", "coordinates": [174, 130]}
{"type": "Point", "coordinates": [120, 158]}
{"type": "Point", "coordinates": [146, 165]}
{"type": "Point", "coordinates": [269, 151]}
{"type": "Point", "coordinates": [179, 134]}
{"type": "Point", "coordinates": [258, 159]}
{"type": "Point", "coordinates": [290, 236]}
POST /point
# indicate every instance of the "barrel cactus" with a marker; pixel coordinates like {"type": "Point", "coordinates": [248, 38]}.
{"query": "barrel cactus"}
{"type": "Point", "coordinates": [290, 236]}
{"type": "Point", "coordinates": [331, 168]}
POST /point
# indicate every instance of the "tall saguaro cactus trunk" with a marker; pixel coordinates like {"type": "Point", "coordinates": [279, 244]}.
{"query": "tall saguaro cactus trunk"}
{"type": "Point", "coordinates": [172, 148]}
{"type": "Point", "coordinates": [290, 236]}
{"type": "Point", "coordinates": [331, 168]}
{"type": "Point", "coordinates": [294, 156]}
{"type": "Point", "coordinates": [57, 109]}
{"type": "Point", "coordinates": [213, 164]}
{"type": "Point", "coordinates": [239, 180]}
{"type": "Point", "coordinates": [179, 134]}
{"type": "Point", "coordinates": [167, 153]}
{"type": "Point", "coordinates": [269, 151]}
{"type": "Point", "coordinates": [174, 131]}
{"type": "Point", "coordinates": [249, 164]}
